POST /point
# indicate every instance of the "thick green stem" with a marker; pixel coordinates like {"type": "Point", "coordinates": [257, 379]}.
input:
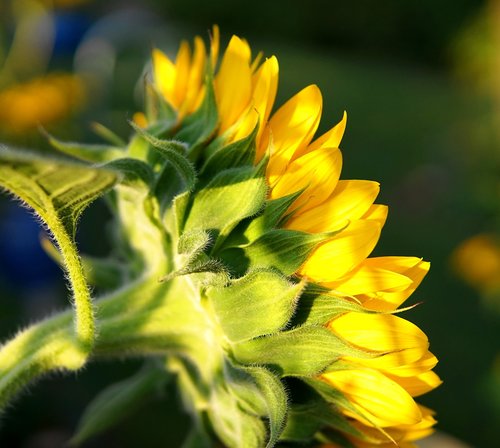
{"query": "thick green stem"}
{"type": "Point", "coordinates": [84, 314]}
{"type": "Point", "coordinates": [146, 317]}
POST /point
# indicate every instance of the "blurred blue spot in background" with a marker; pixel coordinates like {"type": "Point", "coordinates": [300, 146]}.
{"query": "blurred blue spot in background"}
{"type": "Point", "coordinates": [23, 262]}
{"type": "Point", "coordinates": [70, 28]}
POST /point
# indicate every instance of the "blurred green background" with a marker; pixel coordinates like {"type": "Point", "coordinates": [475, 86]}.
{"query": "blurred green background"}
{"type": "Point", "coordinates": [420, 81]}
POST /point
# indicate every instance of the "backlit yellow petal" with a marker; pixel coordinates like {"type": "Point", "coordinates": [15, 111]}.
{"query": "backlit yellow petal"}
{"type": "Point", "coordinates": [404, 363]}
{"type": "Point", "coordinates": [330, 139]}
{"type": "Point", "coordinates": [165, 76]}
{"type": "Point", "coordinates": [379, 332]}
{"type": "Point", "coordinates": [233, 83]}
{"type": "Point", "coordinates": [366, 279]}
{"type": "Point", "coordinates": [291, 128]}
{"type": "Point", "coordinates": [390, 300]}
{"type": "Point", "coordinates": [377, 212]}
{"type": "Point", "coordinates": [265, 86]}
{"type": "Point", "coordinates": [182, 67]}
{"type": "Point", "coordinates": [419, 384]}
{"type": "Point", "coordinates": [400, 433]}
{"type": "Point", "coordinates": [348, 202]}
{"type": "Point", "coordinates": [316, 173]}
{"type": "Point", "coordinates": [385, 402]}
{"type": "Point", "coordinates": [424, 364]}
{"type": "Point", "coordinates": [214, 46]}
{"type": "Point", "coordinates": [333, 259]}
{"type": "Point", "coordinates": [196, 75]}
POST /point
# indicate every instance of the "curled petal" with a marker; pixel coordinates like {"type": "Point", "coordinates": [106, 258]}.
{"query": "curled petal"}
{"type": "Point", "coordinates": [379, 332]}
{"type": "Point", "coordinates": [384, 402]}
{"type": "Point", "coordinates": [233, 83]}
{"type": "Point", "coordinates": [341, 254]}
{"type": "Point", "coordinates": [291, 128]}
{"type": "Point", "coordinates": [419, 384]}
{"type": "Point", "coordinates": [316, 173]}
{"type": "Point", "coordinates": [350, 200]}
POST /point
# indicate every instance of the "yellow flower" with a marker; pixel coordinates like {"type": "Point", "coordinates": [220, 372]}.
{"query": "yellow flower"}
{"type": "Point", "coordinates": [477, 260]}
{"type": "Point", "coordinates": [42, 101]}
{"type": "Point", "coordinates": [380, 386]}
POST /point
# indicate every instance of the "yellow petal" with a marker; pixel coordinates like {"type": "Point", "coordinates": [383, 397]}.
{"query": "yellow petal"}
{"type": "Point", "coordinates": [140, 120]}
{"type": "Point", "coordinates": [390, 300]}
{"type": "Point", "coordinates": [333, 259]}
{"type": "Point", "coordinates": [385, 402]}
{"type": "Point", "coordinates": [214, 46]}
{"type": "Point", "coordinates": [291, 128]}
{"type": "Point", "coordinates": [330, 139]}
{"type": "Point", "coordinates": [420, 384]}
{"type": "Point", "coordinates": [401, 363]}
{"type": "Point", "coordinates": [233, 83]}
{"type": "Point", "coordinates": [379, 332]}
{"type": "Point", "coordinates": [421, 429]}
{"type": "Point", "coordinates": [196, 75]}
{"type": "Point", "coordinates": [265, 86]}
{"type": "Point", "coordinates": [244, 126]}
{"type": "Point", "coordinates": [316, 173]}
{"type": "Point", "coordinates": [366, 279]}
{"type": "Point", "coordinates": [377, 212]}
{"type": "Point", "coordinates": [182, 67]}
{"type": "Point", "coordinates": [348, 202]}
{"type": "Point", "coordinates": [424, 364]}
{"type": "Point", "coordinates": [164, 75]}
{"type": "Point", "coordinates": [400, 433]}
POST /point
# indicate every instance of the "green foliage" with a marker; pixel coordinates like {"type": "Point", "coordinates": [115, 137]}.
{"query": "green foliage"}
{"type": "Point", "coordinates": [276, 401]}
{"type": "Point", "coordinates": [231, 196]}
{"type": "Point", "coordinates": [303, 351]}
{"type": "Point", "coordinates": [87, 152]}
{"type": "Point", "coordinates": [59, 191]}
{"type": "Point", "coordinates": [284, 250]}
{"type": "Point", "coordinates": [260, 303]}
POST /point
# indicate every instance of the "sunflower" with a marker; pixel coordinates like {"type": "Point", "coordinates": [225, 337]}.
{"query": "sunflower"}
{"type": "Point", "coordinates": [241, 266]}
{"type": "Point", "coordinates": [379, 389]}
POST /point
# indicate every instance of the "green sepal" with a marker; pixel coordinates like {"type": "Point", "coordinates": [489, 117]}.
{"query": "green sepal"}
{"type": "Point", "coordinates": [276, 400]}
{"type": "Point", "coordinates": [179, 211]}
{"type": "Point", "coordinates": [173, 153]}
{"type": "Point", "coordinates": [307, 419]}
{"type": "Point", "coordinates": [336, 398]}
{"type": "Point", "coordinates": [235, 427]}
{"type": "Point", "coordinates": [317, 308]}
{"type": "Point", "coordinates": [136, 173]}
{"type": "Point", "coordinates": [304, 351]}
{"type": "Point", "coordinates": [193, 242]}
{"type": "Point", "coordinates": [284, 250]}
{"type": "Point", "coordinates": [198, 127]}
{"type": "Point", "coordinates": [259, 303]}
{"type": "Point", "coordinates": [118, 401]}
{"type": "Point", "coordinates": [236, 154]}
{"type": "Point", "coordinates": [270, 217]}
{"type": "Point", "coordinates": [244, 386]}
{"type": "Point", "coordinates": [231, 196]}
{"type": "Point", "coordinates": [302, 424]}
{"type": "Point", "coordinates": [94, 153]}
